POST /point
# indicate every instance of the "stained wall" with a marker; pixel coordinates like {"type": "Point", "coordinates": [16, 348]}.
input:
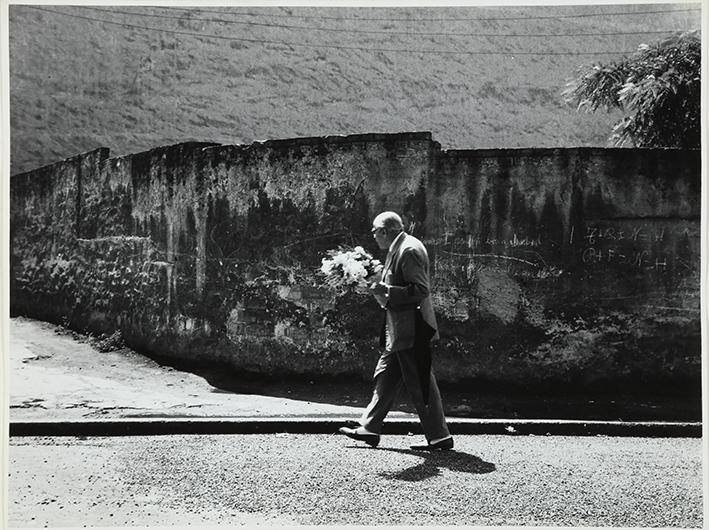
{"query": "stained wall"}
{"type": "Point", "coordinates": [550, 266]}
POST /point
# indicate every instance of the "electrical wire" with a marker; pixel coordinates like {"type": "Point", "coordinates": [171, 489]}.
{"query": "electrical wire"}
{"type": "Point", "coordinates": [377, 32]}
{"type": "Point", "coordinates": [326, 46]}
{"type": "Point", "coordinates": [456, 19]}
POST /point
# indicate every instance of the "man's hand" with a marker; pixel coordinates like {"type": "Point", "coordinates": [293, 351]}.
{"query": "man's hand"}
{"type": "Point", "coordinates": [380, 289]}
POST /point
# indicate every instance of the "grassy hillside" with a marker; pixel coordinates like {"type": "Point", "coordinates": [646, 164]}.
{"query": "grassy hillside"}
{"type": "Point", "coordinates": [78, 84]}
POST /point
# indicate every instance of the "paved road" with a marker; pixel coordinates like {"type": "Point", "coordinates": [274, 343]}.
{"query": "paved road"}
{"type": "Point", "coordinates": [328, 479]}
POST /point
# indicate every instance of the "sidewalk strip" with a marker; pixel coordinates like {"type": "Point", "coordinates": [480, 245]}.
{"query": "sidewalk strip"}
{"type": "Point", "coordinates": [170, 426]}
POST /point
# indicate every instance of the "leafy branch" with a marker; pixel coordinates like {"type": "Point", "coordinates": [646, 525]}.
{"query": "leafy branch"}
{"type": "Point", "coordinates": [657, 88]}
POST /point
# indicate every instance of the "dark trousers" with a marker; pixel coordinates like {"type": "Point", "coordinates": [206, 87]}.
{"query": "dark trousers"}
{"type": "Point", "coordinates": [393, 369]}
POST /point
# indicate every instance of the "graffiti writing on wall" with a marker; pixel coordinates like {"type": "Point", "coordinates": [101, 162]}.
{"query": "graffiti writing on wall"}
{"type": "Point", "coordinates": [643, 259]}
{"type": "Point", "coordinates": [511, 242]}
{"type": "Point", "coordinates": [596, 234]}
{"type": "Point", "coordinates": [641, 247]}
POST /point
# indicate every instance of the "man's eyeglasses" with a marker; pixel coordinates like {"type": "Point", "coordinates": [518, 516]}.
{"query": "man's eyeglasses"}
{"type": "Point", "coordinates": [377, 229]}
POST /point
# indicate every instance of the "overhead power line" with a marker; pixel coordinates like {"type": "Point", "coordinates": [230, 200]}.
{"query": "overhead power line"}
{"type": "Point", "coordinates": [322, 46]}
{"type": "Point", "coordinates": [454, 19]}
{"type": "Point", "coordinates": [376, 32]}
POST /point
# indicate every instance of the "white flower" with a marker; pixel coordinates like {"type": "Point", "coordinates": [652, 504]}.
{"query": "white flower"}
{"type": "Point", "coordinates": [354, 271]}
{"type": "Point", "coordinates": [348, 268]}
{"type": "Point", "coordinates": [327, 265]}
{"type": "Point", "coordinates": [340, 259]}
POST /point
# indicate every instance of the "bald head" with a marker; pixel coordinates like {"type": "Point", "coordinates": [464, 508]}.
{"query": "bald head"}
{"type": "Point", "coordinates": [385, 228]}
{"type": "Point", "coordinates": [390, 221]}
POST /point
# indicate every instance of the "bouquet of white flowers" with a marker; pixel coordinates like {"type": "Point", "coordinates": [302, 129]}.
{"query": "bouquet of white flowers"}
{"type": "Point", "coordinates": [350, 269]}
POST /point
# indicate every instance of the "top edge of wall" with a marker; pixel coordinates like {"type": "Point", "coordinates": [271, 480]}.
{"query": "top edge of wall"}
{"type": "Point", "coordinates": [280, 142]}
{"type": "Point", "coordinates": [517, 151]}
{"type": "Point", "coordinates": [359, 138]}
{"type": "Point", "coordinates": [335, 139]}
{"type": "Point", "coordinates": [187, 146]}
{"type": "Point", "coordinates": [104, 151]}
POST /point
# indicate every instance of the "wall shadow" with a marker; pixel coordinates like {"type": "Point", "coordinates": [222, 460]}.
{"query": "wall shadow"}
{"type": "Point", "coordinates": [479, 399]}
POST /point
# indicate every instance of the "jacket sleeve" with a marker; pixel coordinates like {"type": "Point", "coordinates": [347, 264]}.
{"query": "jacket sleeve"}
{"type": "Point", "coordinates": [414, 271]}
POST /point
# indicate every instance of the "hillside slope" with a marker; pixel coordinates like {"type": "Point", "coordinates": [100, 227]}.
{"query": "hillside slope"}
{"type": "Point", "coordinates": [78, 84]}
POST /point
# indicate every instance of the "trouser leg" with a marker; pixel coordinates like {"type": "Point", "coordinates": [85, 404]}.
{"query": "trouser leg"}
{"type": "Point", "coordinates": [431, 415]}
{"type": "Point", "coordinates": [387, 383]}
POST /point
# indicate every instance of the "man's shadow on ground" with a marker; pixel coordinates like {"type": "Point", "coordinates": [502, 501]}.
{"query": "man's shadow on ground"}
{"type": "Point", "coordinates": [434, 461]}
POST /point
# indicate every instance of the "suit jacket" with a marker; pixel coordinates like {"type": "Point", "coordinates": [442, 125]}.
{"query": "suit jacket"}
{"type": "Point", "coordinates": [406, 271]}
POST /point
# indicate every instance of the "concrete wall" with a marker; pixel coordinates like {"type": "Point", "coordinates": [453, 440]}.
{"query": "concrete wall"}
{"type": "Point", "coordinates": [551, 266]}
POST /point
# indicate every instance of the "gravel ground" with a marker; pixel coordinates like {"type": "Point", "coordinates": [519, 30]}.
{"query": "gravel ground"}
{"type": "Point", "coordinates": [328, 479]}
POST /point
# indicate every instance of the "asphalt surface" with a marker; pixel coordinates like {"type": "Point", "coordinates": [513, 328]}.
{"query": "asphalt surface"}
{"type": "Point", "coordinates": [284, 479]}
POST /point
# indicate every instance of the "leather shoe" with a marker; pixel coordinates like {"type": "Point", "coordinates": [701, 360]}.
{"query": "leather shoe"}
{"type": "Point", "coordinates": [369, 439]}
{"type": "Point", "coordinates": [438, 446]}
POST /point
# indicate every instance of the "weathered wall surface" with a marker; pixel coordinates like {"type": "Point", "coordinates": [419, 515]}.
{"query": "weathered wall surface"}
{"type": "Point", "coordinates": [551, 266]}
{"type": "Point", "coordinates": [578, 265]}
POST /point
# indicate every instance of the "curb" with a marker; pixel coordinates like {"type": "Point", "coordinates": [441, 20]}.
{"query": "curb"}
{"type": "Point", "coordinates": [168, 426]}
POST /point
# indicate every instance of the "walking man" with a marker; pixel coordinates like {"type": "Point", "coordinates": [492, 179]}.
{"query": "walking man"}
{"type": "Point", "coordinates": [404, 293]}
